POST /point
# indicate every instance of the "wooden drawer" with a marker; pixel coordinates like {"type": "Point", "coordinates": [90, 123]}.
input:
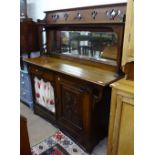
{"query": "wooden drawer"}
{"type": "Point", "coordinates": [41, 72]}
{"type": "Point", "coordinates": [35, 70]}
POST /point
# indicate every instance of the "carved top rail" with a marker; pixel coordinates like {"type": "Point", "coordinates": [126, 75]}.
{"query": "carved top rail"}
{"type": "Point", "coordinates": [112, 13]}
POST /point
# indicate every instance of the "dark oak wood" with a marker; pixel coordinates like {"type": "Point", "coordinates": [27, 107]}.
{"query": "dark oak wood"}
{"type": "Point", "coordinates": [82, 19]}
{"type": "Point", "coordinates": [28, 36]}
{"type": "Point", "coordinates": [53, 38]}
{"type": "Point", "coordinates": [24, 139]}
{"type": "Point", "coordinates": [80, 109]}
{"type": "Point", "coordinates": [86, 15]}
{"type": "Point", "coordinates": [81, 86]}
{"type": "Point", "coordinates": [82, 97]}
{"type": "Point", "coordinates": [129, 71]}
{"type": "Point", "coordinates": [82, 71]}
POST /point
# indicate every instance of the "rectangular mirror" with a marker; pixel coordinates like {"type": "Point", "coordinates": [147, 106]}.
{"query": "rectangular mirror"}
{"type": "Point", "coordinates": [87, 44]}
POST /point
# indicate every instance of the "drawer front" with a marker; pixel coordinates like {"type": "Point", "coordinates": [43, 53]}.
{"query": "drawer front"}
{"type": "Point", "coordinates": [35, 70]}
{"type": "Point", "coordinates": [110, 14]}
{"type": "Point", "coordinates": [41, 72]}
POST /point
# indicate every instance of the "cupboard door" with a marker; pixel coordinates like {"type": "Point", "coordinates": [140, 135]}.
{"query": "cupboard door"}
{"type": "Point", "coordinates": [72, 113]}
{"type": "Point", "coordinates": [44, 97]}
{"type": "Point", "coordinates": [44, 94]}
{"type": "Point", "coordinates": [126, 138]}
{"type": "Point", "coordinates": [123, 134]}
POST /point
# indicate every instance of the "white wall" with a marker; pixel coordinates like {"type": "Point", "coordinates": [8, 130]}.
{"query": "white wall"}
{"type": "Point", "coordinates": [36, 8]}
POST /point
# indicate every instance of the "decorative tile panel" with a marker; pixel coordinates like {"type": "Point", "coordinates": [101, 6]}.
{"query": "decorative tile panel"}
{"type": "Point", "coordinates": [44, 94]}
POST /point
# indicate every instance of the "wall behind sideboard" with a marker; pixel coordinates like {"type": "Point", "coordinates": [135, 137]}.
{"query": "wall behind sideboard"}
{"type": "Point", "coordinates": [36, 8]}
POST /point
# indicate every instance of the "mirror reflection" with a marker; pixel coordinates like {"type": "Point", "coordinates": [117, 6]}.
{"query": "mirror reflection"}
{"type": "Point", "coordinates": [92, 45]}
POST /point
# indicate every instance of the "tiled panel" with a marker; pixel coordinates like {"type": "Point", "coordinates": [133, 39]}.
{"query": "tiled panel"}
{"type": "Point", "coordinates": [25, 88]}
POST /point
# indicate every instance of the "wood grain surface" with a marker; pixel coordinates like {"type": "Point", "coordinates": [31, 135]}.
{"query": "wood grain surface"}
{"type": "Point", "coordinates": [81, 71]}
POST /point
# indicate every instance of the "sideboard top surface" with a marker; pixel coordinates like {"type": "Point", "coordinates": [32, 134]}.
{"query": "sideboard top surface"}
{"type": "Point", "coordinates": [82, 71]}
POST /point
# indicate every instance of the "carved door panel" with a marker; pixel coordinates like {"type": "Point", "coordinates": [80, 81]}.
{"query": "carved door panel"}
{"type": "Point", "coordinates": [73, 102]}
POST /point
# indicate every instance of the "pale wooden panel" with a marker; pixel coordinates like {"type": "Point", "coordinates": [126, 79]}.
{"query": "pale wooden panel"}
{"type": "Point", "coordinates": [126, 136]}
{"type": "Point", "coordinates": [128, 46]}
{"type": "Point", "coordinates": [117, 124]}
{"type": "Point", "coordinates": [112, 120]}
{"type": "Point", "coordinates": [121, 125]}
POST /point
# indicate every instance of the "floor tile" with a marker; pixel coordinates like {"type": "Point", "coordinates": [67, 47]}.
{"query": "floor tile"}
{"type": "Point", "coordinates": [39, 129]}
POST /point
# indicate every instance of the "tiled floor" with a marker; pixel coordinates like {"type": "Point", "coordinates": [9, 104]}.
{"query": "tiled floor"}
{"type": "Point", "coordinates": [39, 129]}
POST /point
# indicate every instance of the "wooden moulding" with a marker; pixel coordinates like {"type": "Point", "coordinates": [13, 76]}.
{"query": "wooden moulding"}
{"type": "Point", "coordinates": [91, 14]}
{"type": "Point", "coordinates": [95, 75]}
